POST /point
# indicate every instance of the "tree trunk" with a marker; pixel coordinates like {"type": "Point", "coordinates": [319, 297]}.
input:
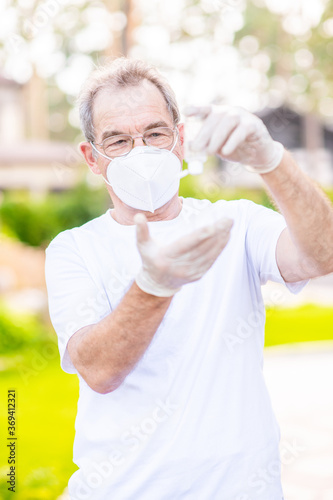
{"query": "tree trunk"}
{"type": "Point", "coordinates": [312, 133]}
{"type": "Point", "coordinates": [122, 41]}
{"type": "Point", "coordinates": [37, 108]}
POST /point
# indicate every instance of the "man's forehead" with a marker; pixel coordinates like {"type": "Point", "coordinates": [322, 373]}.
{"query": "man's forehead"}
{"type": "Point", "coordinates": [131, 101]}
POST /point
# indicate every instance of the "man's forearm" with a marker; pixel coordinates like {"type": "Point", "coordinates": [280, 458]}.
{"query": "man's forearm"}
{"type": "Point", "coordinates": [105, 353]}
{"type": "Point", "coordinates": [308, 213]}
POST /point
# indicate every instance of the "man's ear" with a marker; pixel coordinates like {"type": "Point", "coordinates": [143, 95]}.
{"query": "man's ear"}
{"type": "Point", "coordinates": [181, 136]}
{"type": "Point", "coordinates": [88, 153]}
{"type": "Point", "coordinates": [181, 132]}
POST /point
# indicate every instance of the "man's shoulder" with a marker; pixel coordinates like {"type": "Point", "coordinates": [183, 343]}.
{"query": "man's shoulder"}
{"type": "Point", "coordinates": [67, 237]}
{"type": "Point", "coordinates": [219, 205]}
{"type": "Point", "coordinates": [243, 212]}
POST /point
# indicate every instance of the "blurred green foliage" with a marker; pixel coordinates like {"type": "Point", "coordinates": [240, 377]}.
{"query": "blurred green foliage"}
{"type": "Point", "coordinates": [282, 47]}
{"type": "Point", "coordinates": [21, 331]}
{"type": "Point", "coordinates": [37, 221]}
{"type": "Point", "coordinates": [191, 186]}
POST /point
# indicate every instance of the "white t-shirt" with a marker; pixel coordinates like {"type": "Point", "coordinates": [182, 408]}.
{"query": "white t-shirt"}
{"type": "Point", "coordinates": [193, 420]}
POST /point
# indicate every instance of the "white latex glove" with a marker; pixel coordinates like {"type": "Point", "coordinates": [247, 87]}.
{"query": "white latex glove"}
{"type": "Point", "coordinates": [236, 135]}
{"type": "Point", "coordinates": [165, 268]}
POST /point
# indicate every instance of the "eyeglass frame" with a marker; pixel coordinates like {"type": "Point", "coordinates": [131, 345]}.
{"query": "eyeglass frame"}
{"type": "Point", "coordinates": [175, 129]}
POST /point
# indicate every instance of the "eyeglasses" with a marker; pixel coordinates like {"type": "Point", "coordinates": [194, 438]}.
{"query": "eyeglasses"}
{"type": "Point", "coordinates": [121, 145]}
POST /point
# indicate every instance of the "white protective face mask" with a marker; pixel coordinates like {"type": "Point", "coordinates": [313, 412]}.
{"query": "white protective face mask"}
{"type": "Point", "coordinates": [145, 179]}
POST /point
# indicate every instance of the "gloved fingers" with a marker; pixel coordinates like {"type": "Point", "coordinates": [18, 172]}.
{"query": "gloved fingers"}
{"type": "Point", "coordinates": [189, 250]}
{"type": "Point", "coordinates": [237, 138]}
{"type": "Point", "coordinates": [172, 271]}
{"type": "Point", "coordinates": [200, 111]}
{"type": "Point", "coordinates": [194, 268]}
{"type": "Point", "coordinates": [142, 231]}
{"type": "Point", "coordinates": [220, 229]}
{"type": "Point", "coordinates": [201, 141]}
{"type": "Point", "coordinates": [212, 119]}
{"type": "Point", "coordinates": [220, 134]}
{"type": "Point", "coordinates": [220, 126]}
{"type": "Point", "coordinates": [195, 255]}
{"type": "Point", "coordinates": [199, 237]}
{"type": "Point", "coordinates": [213, 248]}
{"type": "Point", "coordinates": [189, 242]}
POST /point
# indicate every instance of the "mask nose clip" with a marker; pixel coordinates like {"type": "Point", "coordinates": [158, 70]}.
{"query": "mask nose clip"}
{"type": "Point", "coordinates": [152, 150]}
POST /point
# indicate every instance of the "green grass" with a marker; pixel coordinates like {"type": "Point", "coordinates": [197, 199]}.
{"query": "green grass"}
{"type": "Point", "coordinates": [301, 324]}
{"type": "Point", "coordinates": [46, 408]}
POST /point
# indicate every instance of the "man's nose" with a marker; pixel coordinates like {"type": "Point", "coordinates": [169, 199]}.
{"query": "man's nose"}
{"type": "Point", "coordinates": [138, 141]}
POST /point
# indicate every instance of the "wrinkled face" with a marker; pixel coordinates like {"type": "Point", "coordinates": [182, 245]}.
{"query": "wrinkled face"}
{"type": "Point", "coordinates": [131, 110]}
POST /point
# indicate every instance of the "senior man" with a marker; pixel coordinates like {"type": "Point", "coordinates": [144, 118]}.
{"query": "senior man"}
{"type": "Point", "coordinates": [157, 303]}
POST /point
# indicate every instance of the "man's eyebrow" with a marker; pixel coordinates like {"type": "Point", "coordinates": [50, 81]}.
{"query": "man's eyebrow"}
{"type": "Point", "coordinates": [156, 124]}
{"type": "Point", "coordinates": [110, 133]}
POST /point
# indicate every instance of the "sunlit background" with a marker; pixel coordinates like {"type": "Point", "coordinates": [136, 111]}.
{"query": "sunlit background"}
{"type": "Point", "coordinates": [273, 57]}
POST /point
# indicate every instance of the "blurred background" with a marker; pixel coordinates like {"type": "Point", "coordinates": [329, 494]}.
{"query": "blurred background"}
{"type": "Point", "coordinates": [273, 57]}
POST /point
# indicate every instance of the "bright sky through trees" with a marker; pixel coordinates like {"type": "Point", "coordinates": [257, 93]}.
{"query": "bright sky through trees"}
{"type": "Point", "coordinates": [212, 50]}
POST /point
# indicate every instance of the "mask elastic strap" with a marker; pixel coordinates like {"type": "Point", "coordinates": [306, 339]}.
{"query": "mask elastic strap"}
{"type": "Point", "coordinates": [98, 152]}
{"type": "Point", "coordinates": [175, 142]}
{"type": "Point", "coordinates": [92, 145]}
{"type": "Point", "coordinates": [182, 172]}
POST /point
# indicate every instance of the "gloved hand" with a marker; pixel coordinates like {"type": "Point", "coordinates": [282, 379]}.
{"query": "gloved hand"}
{"type": "Point", "coordinates": [165, 268]}
{"type": "Point", "coordinates": [236, 135]}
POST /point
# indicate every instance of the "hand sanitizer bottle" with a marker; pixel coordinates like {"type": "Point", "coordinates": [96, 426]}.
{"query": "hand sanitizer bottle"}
{"type": "Point", "coordinates": [195, 159]}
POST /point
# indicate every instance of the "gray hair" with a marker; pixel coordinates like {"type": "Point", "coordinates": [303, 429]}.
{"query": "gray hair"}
{"type": "Point", "coordinates": [121, 73]}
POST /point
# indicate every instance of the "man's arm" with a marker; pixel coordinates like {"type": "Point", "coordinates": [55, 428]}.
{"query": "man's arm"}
{"type": "Point", "coordinates": [304, 249]}
{"type": "Point", "coordinates": [106, 352]}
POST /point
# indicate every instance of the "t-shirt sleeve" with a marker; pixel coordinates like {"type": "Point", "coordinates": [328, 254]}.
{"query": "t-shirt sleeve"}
{"type": "Point", "coordinates": [264, 227]}
{"type": "Point", "coordinates": [75, 300]}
